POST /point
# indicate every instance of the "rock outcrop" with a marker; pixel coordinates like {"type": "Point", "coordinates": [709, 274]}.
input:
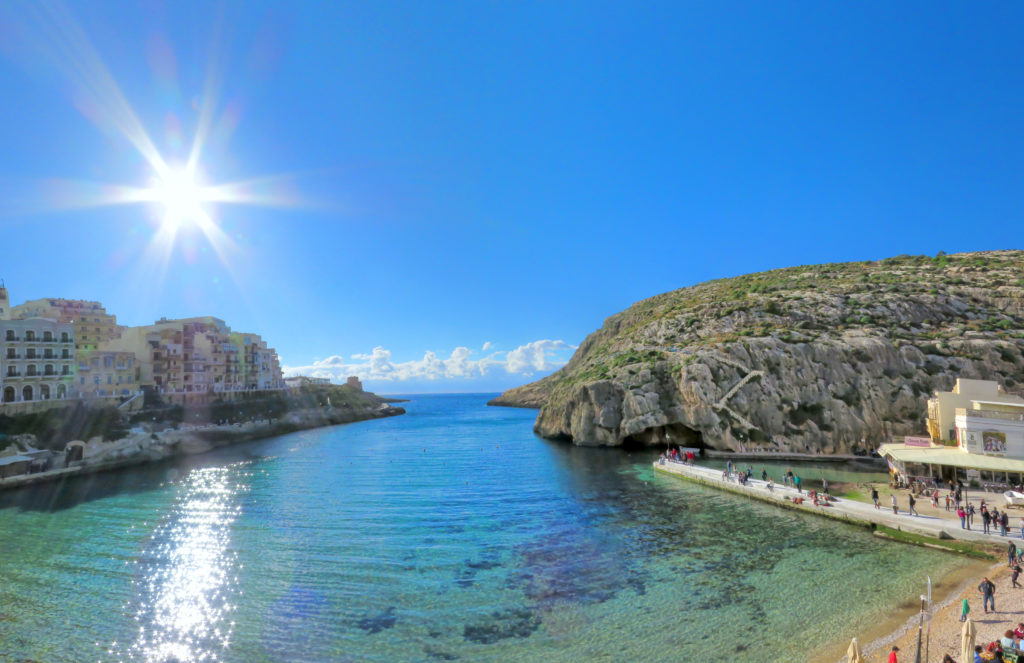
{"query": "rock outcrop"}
{"type": "Point", "coordinates": [827, 358]}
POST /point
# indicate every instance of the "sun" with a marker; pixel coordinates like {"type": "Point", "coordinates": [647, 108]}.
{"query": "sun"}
{"type": "Point", "coordinates": [181, 198]}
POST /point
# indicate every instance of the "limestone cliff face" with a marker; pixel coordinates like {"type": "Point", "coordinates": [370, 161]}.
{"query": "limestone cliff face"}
{"type": "Point", "coordinates": [827, 358]}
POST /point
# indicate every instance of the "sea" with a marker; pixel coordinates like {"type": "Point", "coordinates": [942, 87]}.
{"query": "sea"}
{"type": "Point", "coordinates": [450, 533]}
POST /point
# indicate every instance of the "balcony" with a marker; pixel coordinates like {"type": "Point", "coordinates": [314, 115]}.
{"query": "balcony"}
{"type": "Point", "coordinates": [13, 375]}
{"type": "Point", "coordinates": [13, 356]}
{"type": "Point", "coordinates": [990, 414]}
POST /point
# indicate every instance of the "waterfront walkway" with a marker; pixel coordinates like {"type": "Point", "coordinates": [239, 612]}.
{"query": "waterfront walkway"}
{"type": "Point", "coordinates": [849, 510]}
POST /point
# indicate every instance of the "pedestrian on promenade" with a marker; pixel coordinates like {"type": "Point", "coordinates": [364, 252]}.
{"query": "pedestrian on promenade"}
{"type": "Point", "coordinates": [764, 474]}
{"type": "Point", "coordinates": [1004, 523]}
{"type": "Point", "coordinates": [824, 485]}
{"type": "Point", "coordinates": [1016, 574]}
{"type": "Point", "coordinates": [965, 610]}
{"type": "Point", "coordinates": [895, 508]}
{"type": "Point", "coordinates": [892, 654]}
{"type": "Point", "coordinates": [912, 502]}
{"type": "Point", "coordinates": [970, 514]}
{"type": "Point", "coordinates": [986, 519]}
{"type": "Point", "coordinates": [988, 594]}
{"type": "Point", "coordinates": [1022, 528]}
{"type": "Point", "coordinates": [963, 517]}
{"type": "Point", "coordinates": [947, 502]}
{"type": "Point", "coordinates": [771, 486]}
{"type": "Point", "coordinates": [874, 498]}
{"type": "Point", "coordinates": [1011, 554]}
{"type": "Point", "coordinates": [728, 466]}
{"type": "Point", "coordinates": [796, 482]}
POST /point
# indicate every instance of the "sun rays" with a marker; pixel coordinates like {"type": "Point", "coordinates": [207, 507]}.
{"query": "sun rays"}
{"type": "Point", "coordinates": [177, 198]}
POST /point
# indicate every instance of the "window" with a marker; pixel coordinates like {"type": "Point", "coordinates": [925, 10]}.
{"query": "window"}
{"type": "Point", "coordinates": [30, 336]}
{"type": "Point", "coordinates": [64, 337]}
{"type": "Point", "coordinates": [10, 353]}
{"type": "Point", "coordinates": [81, 380]}
{"type": "Point", "coordinates": [108, 379]}
{"type": "Point", "coordinates": [108, 362]}
{"type": "Point", "coordinates": [10, 334]}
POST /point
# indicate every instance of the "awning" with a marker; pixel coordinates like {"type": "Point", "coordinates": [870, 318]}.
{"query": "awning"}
{"type": "Point", "coordinates": [951, 456]}
{"type": "Point", "coordinates": [9, 460]}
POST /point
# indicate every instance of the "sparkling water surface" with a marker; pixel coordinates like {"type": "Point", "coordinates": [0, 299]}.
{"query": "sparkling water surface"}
{"type": "Point", "coordinates": [451, 533]}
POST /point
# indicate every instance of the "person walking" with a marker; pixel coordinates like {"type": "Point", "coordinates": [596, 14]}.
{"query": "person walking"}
{"type": "Point", "coordinates": [764, 474]}
{"type": "Point", "coordinates": [912, 502]}
{"type": "Point", "coordinates": [963, 517]}
{"type": "Point", "coordinates": [874, 498]}
{"type": "Point", "coordinates": [1004, 523]}
{"type": "Point", "coordinates": [824, 485]}
{"type": "Point", "coordinates": [895, 508]}
{"type": "Point", "coordinates": [1011, 554]}
{"type": "Point", "coordinates": [988, 594]}
{"type": "Point", "coordinates": [970, 514]}
{"type": "Point", "coordinates": [1022, 528]}
{"type": "Point", "coordinates": [986, 519]}
{"type": "Point", "coordinates": [796, 482]}
{"type": "Point", "coordinates": [947, 502]}
{"type": "Point", "coordinates": [965, 610]}
{"type": "Point", "coordinates": [1016, 574]}
{"type": "Point", "coordinates": [892, 654]}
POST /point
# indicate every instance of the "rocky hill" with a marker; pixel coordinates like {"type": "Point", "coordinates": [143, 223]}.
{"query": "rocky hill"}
{"type": "Point", "coordinates": [828, 358]}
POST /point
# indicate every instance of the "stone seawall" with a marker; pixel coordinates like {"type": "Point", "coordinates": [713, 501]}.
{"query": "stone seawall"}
{"type": "Point", "coordinates": [190, 440]}
{"type": "Point", "coordinates": [850, 511]}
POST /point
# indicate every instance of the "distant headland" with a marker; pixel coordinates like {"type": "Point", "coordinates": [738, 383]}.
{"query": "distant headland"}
{"type": "Point", "coordinates": [834, 358]}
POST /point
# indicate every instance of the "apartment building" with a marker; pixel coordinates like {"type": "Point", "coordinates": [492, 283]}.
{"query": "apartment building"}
{"type": "Point", "coordinates": [36, 356]}
{"type": "Point", "coordinates": [93, 325]}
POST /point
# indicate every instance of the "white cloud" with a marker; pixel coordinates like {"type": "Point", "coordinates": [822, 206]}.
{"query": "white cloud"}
{"type": "Point", "coordinates": [487, 346]}
{"type": "Point", "coordinates": [378, 365]}
{"type": "Point", "coordinates": [535, 356]}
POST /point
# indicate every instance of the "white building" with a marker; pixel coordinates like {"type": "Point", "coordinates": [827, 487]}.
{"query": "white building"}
{"type": "Point", "coordinates": [37, 357]}
{"type": "Point", "coordinates": [976, 431]}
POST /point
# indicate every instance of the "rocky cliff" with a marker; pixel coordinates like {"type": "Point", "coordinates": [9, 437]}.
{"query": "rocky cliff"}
{"type": "Point", "coordinates": [829, 358]}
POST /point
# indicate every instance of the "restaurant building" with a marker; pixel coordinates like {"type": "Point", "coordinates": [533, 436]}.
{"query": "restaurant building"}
{"type": "Point", "coordinates": [975, 432]}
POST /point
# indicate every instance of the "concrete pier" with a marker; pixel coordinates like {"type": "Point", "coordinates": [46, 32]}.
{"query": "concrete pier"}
{"type": "Point", "coordinates": [851, 511]}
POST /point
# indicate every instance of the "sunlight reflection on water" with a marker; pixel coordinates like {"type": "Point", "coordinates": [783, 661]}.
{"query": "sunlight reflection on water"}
{"type": "Point", "coordinates": [185, 584]}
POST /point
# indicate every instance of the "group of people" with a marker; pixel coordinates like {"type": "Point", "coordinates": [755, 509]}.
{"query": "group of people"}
{"type": "Point", "coordinates": [680, 456]}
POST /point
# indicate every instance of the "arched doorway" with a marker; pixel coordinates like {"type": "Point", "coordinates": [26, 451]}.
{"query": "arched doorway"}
{"type": "Point", "coordinates": [44, 392]}
{"type": "Point", "coordinates": [9, 395]}
{"type": "Point", "coordinates": [26, 393]}
{"type": "Point", "coordinates": [62, 391]}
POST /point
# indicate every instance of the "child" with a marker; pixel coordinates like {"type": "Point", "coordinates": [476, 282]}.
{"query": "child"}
{"type": "Point", "coordinates": [964, 611]}
{"type": "Point", "coordinates": [1016, 574]}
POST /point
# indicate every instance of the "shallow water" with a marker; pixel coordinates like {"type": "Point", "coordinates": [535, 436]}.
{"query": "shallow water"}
{"type": "Point", "coordinates": [450, 533]}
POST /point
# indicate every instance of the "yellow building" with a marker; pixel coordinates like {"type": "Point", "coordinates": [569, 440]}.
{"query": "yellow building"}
{"type": "Point", "coordinates": [976, 431]}
{"type": "Point", "coordinates": [93, 324]}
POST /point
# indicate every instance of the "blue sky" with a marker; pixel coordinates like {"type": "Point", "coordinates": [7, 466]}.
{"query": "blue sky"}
{"type": "Point", "coordinates": [437, 178]}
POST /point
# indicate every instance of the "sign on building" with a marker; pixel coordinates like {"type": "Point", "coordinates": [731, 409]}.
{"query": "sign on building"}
{"type": "Point", "coordinates": [911, 441]}
{"type": "Point", "coordinates": [994, 442]}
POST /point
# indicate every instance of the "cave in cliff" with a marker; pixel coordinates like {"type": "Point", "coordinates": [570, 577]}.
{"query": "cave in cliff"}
{"type": "Point", "coordinates": [671, 434]}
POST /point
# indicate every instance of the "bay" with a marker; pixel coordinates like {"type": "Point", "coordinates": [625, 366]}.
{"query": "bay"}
{"type": "Point", "coordinates": [448, 533]}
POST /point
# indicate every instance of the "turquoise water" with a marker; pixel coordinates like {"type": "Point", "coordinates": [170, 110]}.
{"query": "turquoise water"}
{"type": "Point", "coordinates": [450, 533]}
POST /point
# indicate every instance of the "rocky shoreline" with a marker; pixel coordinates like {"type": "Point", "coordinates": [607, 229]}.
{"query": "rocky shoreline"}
{"type": "Point", "coordinates": [143, 446]}
{"type": "Point", "coordinates": [819, 358]}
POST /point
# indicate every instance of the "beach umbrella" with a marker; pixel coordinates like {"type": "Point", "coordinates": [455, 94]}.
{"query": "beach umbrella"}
{"type": "Point", "coordinates": [853, 654]}
{"type": "Point", "coordinates": [967, 635]}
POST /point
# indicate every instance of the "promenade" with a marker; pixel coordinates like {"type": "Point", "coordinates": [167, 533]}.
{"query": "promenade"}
{"type": "Point", "coordinates": [936, 523]}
